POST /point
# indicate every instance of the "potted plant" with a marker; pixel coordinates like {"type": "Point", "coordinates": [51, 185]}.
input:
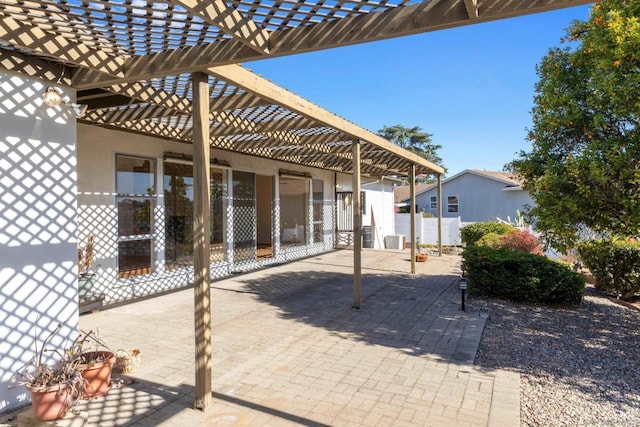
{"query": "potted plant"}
{"type": "Point", "coordinates": [95, 366]}
{"type": "Point", "coordinates": [53, 387]}
{"type": "Point", "coordinates": [89, 300]}
{"type": "Point", "coordinates": [85, 275]}
{"type": "Point", "coordinates": [421, 256]}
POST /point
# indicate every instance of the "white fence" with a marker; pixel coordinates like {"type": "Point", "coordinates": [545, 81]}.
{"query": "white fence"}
{"type": "Point", "coordinates": [427, 229]}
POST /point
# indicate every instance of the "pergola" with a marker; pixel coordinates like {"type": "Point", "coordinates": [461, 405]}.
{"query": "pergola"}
{"type": "Point", "coordinates": [170, 69]}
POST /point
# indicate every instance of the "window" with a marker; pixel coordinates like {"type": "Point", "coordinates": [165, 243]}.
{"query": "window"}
{"type": "Point", "coordinates": [136, 200]}
{"type": "Point", "coordinates": [433, 202]}
{"type": "Point", "coordinates": [294, 196]}
{"type": "Point", "coordinates": [318, 208]}
{"type": "Point", "coordinates": [178, 204]}
{"type": "Point", "coordinates": [452, 203]}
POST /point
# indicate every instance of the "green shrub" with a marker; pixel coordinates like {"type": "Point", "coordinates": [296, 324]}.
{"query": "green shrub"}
{"type": "Point", "coordinates": [520, 276]}
{"type": "Point", "coordinates": [614, 264]}
{"type": "Point", "coordinates": [471, 233]}
{"type": "Point", "coordinates": [492, 240]}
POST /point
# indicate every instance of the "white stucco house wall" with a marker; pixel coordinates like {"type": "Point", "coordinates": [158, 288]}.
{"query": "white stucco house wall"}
{"type": "Point", "coordinates": [38, 202]}
{"type": "Point", "coordinates": [475, 195]}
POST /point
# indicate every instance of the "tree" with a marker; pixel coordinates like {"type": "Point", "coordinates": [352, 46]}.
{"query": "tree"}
{"type": "Point", "coordinates": [414, 140]}
{"type": "Point", "coordinates": [582, 171]}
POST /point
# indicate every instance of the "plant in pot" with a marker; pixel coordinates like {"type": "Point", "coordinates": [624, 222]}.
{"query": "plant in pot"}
{"type": "Point", "coordinates": [85, 275]}
{"type": "Point", "coordinates": [95, 366]}
{"type": "Point", "coordinates": [54, 387]}
{"type": "Point", "coordinates": [421, 256]}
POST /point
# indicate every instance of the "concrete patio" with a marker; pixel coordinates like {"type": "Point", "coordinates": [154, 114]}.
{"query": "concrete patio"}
{"type": "Point", "coordinates": [289, 350]}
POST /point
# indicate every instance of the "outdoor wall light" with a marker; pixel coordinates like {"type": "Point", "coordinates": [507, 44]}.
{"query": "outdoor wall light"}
{"type": "Point", "coordinates": [52, 96]}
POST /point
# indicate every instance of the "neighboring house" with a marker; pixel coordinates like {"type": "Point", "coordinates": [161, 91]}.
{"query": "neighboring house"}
{"type": "Point", "coordinates": [474, 195]}
{"type": "Point", "coordinates": [401, 194]}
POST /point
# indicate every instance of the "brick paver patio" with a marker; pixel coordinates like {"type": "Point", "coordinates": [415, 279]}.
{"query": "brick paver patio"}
{"type": "Point", "coordinates": [290, 350]}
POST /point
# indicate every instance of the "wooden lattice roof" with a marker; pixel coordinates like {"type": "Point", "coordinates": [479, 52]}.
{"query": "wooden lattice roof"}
{"type": "Point", "coordinates": [131, 62]}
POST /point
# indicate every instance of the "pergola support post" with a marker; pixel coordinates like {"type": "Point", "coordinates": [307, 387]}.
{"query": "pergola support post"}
{"type": "Point", "coordinates": [412, 190]}
{"type": "Point", "coordinates": [357, 226]}
{"type": "Point", "coordinates": [439, 214]}
{"type": "Point", "coordinates": [201, 246]}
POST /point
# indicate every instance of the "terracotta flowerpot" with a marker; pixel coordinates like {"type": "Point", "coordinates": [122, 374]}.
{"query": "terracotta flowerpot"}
{"type": "Point", "coordinates": [51, 403]}
{"type": "Point", "coordinates": [422, 257]}
{"type": "Point", "coordinates": [96, 375]}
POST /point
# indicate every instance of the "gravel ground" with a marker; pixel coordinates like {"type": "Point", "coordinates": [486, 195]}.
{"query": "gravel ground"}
{"type": "Point", "coordinates": [578, 366]}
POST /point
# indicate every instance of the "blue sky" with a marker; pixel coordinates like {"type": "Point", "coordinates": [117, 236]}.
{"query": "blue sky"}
{"type": "Point", "coordinates": [471, 87]}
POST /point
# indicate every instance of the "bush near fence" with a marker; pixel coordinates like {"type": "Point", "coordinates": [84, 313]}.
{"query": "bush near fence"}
{"type": "Point", "coordinates": [520, 276]}
{"type": "Point", "coordinates": [473, 232]}
{"type": "Point", "coordinates": [614, 264]}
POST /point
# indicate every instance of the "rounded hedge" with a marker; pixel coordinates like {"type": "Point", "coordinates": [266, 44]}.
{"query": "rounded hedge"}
{"type": "Point", "coordinates": [492, 240]}
{"type": "Point", "coordinates": [520, 276]}
{"type": "Point", "coordinates": [470, 234]}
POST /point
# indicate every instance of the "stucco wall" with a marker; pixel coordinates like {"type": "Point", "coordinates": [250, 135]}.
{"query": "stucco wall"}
{"type": "Point", "coordinates": [38, 266]}
{"type": "Point", "coordinates": [379, 209]}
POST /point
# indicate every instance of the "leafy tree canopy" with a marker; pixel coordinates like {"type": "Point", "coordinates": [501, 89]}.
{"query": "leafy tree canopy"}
{"type": "Point", "coordinates": [583, 170]}
{"type": "Point", "coordinates": [414, 140]}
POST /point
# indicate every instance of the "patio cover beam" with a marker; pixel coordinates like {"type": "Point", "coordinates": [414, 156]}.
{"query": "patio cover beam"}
{"type": "Point", "coordinates": [262, 87]}
{"type": "Point", "coordinates": [49, 44]}
{"type": "Point", "coordinates": [162, 104]}
{"type": "Point", "coordinates": [147, 128]}
{"type": "Point", "coordinates": [165, 104]}
{"type": "Point", "coordinates": [31, 66]}
{"type": "Point", "coordinates": [472, 8]}
{"type": "Point", "coordinates": [229, 20]}
{"type": "Point", "coordinates": [401, 21]}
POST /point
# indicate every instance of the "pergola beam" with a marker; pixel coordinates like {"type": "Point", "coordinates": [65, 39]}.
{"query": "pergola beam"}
{"type": "Point", "coordinates": [472, 8]}
{"type": "Point", "coordinates": [149, 94]}
{"type": "Point", "coordinates": [229, 20]}
{"type": "Point", "coordinates": [267, 90]}
{"type": "Point", "coordinates": [51, 72]}
{"type": "Point", "coordinates": [49, 44]}
{"type": "Point", "coordinates": [401, 21]}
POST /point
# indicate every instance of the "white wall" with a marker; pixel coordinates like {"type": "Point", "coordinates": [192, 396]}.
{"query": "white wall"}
{"type": "Point", "coordinates": [379, 210]}
{"type": "Point", "coordinates": [38, 266]}
{"type": "Point", "coordinates": [379, 206]}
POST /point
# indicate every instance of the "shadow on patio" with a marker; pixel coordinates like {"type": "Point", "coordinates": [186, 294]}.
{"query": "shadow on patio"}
{"type": "Point", "coordinates": [418, 314]}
